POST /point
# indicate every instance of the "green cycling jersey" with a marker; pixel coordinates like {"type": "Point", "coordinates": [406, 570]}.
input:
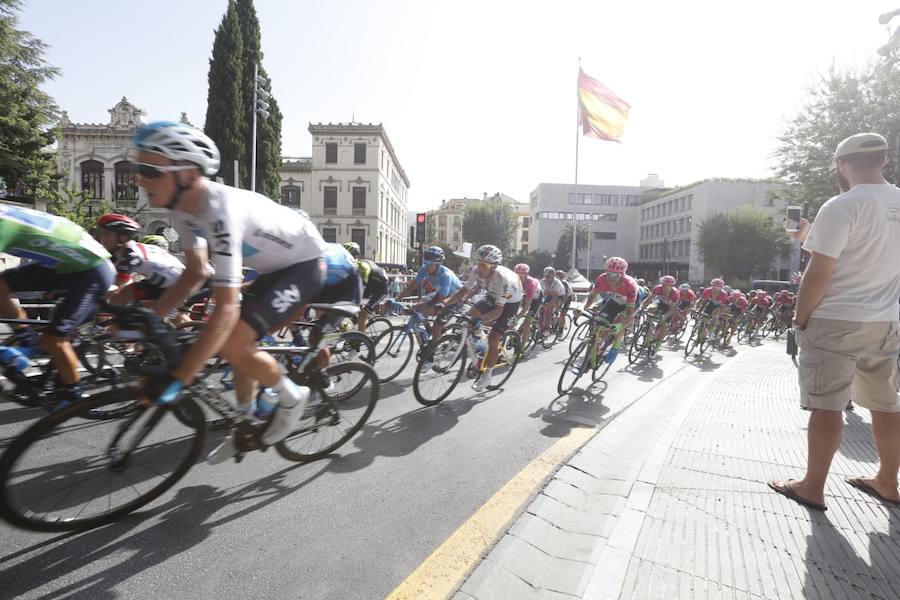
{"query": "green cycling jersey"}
{"type": "Point", "coordinates": [49, 240]}
{"type": "Point", "coordinates": [369, 268]}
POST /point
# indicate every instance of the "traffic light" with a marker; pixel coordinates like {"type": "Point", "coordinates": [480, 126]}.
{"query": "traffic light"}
{"type": "Point", "coordinates": [420, 227]}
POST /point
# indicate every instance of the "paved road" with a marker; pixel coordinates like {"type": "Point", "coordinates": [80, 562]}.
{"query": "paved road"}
{"type": "Point", "coordinates": [350, 527]}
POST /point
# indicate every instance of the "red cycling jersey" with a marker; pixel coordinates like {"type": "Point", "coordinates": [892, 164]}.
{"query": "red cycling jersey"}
{"type": "Point", "coordinates": [764, 301]}
{"type": "Point", "coordinates": [531, 287]}
{"type": "Point", "coordinates": [688, 296]}
{"type": "Point", "coordinates": [720, 299]}
{"type": "Point", "coordinates": [625, 291]}
{"type": "Point", "coordinates": [740, 302]}
{"type": "Point", "coordinates": [671, 298]}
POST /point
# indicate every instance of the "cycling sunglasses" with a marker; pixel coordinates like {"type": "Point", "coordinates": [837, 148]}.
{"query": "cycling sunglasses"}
{"type": "Point", "coordinates": [148, 171]}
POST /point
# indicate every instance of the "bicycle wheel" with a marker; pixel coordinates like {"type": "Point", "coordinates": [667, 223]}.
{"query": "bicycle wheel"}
{"type": "Point", "coordinates": [62, 474]}
{"type": "Point", "coordinates": [433, 385]}
{"type": "Point", "coordinates": [377, 326]}
{"type": "Point", "coordinates": [576, 366]}
{"type": "Point", "coordinates": [507, 359]}
{"type": "Point", "coordinates": [330, 423]}
{"type": "Point", "coordinates": [600, 365]}
{"type": "Point", "coordinates": [529, 344]}
{"type": "Point", "coordinates": [353, 345]}
{"type": "Point", "coordinates": [103, 358]}
{"type": "Point", "coordinates": [638, 343]}
{"type": "Point", "coordinates": [393, 350]}
{"type": "Point", "coordinates": [582, 332]}
{"type": "Point", "coordinates": [548, 337]}
{"type": "Point", "coordinates": [692, 339]}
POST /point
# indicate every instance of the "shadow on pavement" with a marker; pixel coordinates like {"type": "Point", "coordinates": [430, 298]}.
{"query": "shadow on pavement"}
{"type": "Point", "coordinates": [704, 362]}
{"type": "Point", "coordinates": [646, 370]}
{"type": "Point", "coordinates": [185, 521]}
{"type": "Point", "coordinates": [579, 408]}
{"type": "Point", "coordinates": [404, 433]}
{"type": "Point", "coordinates": [857, 443]}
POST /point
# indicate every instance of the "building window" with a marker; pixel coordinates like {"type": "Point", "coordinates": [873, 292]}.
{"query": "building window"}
{"type": "Point", "coordinates": [126, 190]}
{"type": "Point", "coordinates": [442, 220]}
{"type": "Point", "coordinates": [359, 236]}
{"type": "Point", "coordinates": [604, 235]}
{"type": "Point", "coordinates": [359, 201]}
{"type": "Point", "coordinates": [329, 234]}
{"type": "Point", "coordinates": [526, 221]}
{"type": "Point", "coordinates": [330, 200]}
{"type": "Point", "coordinates": [457, 221]}
{"type": "Point", "coordinates": [689, 223]}
{"type": "Point", "coordinates": [524, 236]}
{"type": "Point", "coordinates": [359, 154]}
{"type": "Point", "coordinates": [92, 178]}
{"type": "Point", "coordinates": [331, 152]}
{"type": "Point", "coordinates": [690, 200]}
{"type": "Point", "coordinates": [290, 195]}
{"type": "Point", "coordinates": [455, 235]}
{"type": "Point", "coordinates": [524, 248]}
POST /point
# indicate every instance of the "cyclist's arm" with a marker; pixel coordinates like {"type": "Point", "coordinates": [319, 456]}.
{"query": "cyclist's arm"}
{"type": "Point", "coordinates": [647, 302]}
{"type": "Point", "coordinates": [589, 300]}
{"type": "Point", "coordinates": [491, 315]}
{"type": "Point", "coordinates": [211, 340]}
{"type": "Point", "coordinates": [526, 304]}
{"type": "Point", "coordinates": [195, 273]}
{"type": "Point", "coordinates": [413, 284]}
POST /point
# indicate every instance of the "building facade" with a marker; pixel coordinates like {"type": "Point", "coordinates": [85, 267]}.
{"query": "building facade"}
{"type": "Point", "coordinates": [609, 212]}
{"type": "Point", "coordinates": [654, 229]}
{"type": "Point", "coordinates": [353, 188]}
{"type": "Point", "coordinates": [92, 157]}
{"type": "Point", "coordinates": [447, 219]}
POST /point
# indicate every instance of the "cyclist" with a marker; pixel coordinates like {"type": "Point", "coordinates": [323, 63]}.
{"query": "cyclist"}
{"type": "Point", "coordinates": [643, 291]}
{"type": "Point", "coordinates": [343, 283]}
{"type": "Point", "coordinates": [64, 260]}
{"type": "Point", "coordinates": [759, 302]}
{"type": "Point", "coordinates": [738, 305]}
{"type": "Point", "coordinates": [375, 280]}
{"type": "Point", "coordinates": [233, 227]}
{"type": "Point", "coordinates": [553, 291]}
{"type": "Point", "coordinates": [158, 268]}
{"type": "Point", "coordinates": [567, 298]}
{"type": "Point", "coordinates": [503, 296]}
{"type": "Point", "coordinates": [665, 297]}
{"type": "Point", "coordinates": [531, 298]}
{"type": "Point", "coordinates": [713, 300]}
{"type": "Point", "coordinates": [621, 290]}
{"type": "Point", "coordinates": [445, 283]}
{"type": "Point", "coordinates": [686, 300]}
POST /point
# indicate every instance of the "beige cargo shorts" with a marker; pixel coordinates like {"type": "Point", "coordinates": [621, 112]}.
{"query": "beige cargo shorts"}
{"type": "Point", "coordinates": [843, 359]}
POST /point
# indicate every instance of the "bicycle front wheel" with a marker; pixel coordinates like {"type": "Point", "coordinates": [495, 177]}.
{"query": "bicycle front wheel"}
{"type": "Point", "coordinates": [63, 474]}
{"type": "Point", "coordinates": [507, 359]}
{"type": "Point", "coordinates": [566, 327]}
{"type": "Point", "coordinates": [332, 419]}
{"type": "Point", "coordinates": [582, 331]}
{"type": "Point", "coordinates": [575, 367]}
{"type": "Point", "coordinates": [393, 350]}
{"type": "Point", "coordinates": [433, 384]}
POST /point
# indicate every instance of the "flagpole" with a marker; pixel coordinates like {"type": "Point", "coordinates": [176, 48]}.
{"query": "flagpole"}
{"type": "Point", "coordinates": [577, 138]}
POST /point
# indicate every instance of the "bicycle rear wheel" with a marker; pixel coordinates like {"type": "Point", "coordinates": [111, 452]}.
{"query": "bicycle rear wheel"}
{"type": "Point", "coordinates": [377, 326]}
{"type": "Point", "coordinates": [692, 339]}
{"type": "Point", "coordinates": [62, 474]}
{"type": "Point", "coordinates": [564, 330]}
{"type": "Point", "coordinates": [432, 385]}
{"type": "Point", "coordinates": [548, 337]}
{"type": "Point", "coordinates": [601, 366]}
{"type": "Point", "coordinates": [581, 333]}
{"type": "Point", "coordinates": [576, 366]}
{"type": "Point", "coordinates": [507, 359]}
{"type": "Point", "coordinates": [393, 350]}
{"type": "Point", "coordinates": [638, 343]}
{"type": "Point", "coordinates": [330, 423]}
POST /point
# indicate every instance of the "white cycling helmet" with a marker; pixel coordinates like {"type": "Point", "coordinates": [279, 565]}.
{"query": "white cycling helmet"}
{"type": "Point", "coordinates": [179, 142]}
{"type": "Point", "coordinates": [490, 254]}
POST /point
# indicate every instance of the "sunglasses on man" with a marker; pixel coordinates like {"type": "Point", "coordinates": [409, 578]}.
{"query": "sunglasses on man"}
{"type": "Point", "coordinates": [148, 171]}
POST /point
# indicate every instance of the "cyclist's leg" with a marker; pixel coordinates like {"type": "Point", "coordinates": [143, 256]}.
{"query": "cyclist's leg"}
{"type": "Point", "coordinates": [375, 290]}
{"type": "Point", "coordinates": [501, 324]}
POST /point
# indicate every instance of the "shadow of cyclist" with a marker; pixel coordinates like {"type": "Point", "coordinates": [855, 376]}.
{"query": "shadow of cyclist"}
{"type": "Point", "coordinates": [579, 408]}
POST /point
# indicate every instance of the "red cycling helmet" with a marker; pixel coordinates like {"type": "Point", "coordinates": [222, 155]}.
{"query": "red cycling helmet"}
{"type": "Point", "coordinates": [667, 280]}
{"type": "Point", "coordinates": [119, 224]}
{"type": "Point", "coordinates": [522, 269]}
{"type": "Point", "coordinates": [616, 265]}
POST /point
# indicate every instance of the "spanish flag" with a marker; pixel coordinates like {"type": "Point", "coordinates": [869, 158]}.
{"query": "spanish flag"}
{"type": "Point", "coordinates": [602, 114]}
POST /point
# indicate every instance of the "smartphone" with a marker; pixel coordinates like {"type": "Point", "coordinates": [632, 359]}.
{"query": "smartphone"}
{"type": "Point", "coordinates": [793, 219]}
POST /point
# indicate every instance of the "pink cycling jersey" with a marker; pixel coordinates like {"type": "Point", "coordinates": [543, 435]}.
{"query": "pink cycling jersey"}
{"type": "Point", "coordinates": [688, 296]}
{"type": "Point", "coordinates": [532, 287]}
{"type": "Point", "coordinates": [625, 292]}
{"type": "Point", "coordinates": [671, 298]}
{"type": "Point", "coordinates": [740, 302]}
{"type": "Point", "coordinates": [720, 299]}
{"type": "Point", "coordinates": [763, 301]}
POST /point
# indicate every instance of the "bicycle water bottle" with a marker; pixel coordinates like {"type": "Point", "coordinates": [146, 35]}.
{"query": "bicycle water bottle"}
{"type": "Point", "coordinates": [266, 401]}
{"type": "Point", "coordinates": [480, 345]}
{"type": "Point", "coordinates": [14, 359]}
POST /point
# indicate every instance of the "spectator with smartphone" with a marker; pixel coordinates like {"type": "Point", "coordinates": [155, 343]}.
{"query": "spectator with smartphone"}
{"type": "Point", "coordinates": [847, 322]}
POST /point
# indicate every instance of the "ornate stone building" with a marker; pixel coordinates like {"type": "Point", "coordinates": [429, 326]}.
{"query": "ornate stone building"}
{"type": "Point", "coordinates": [92, 157]}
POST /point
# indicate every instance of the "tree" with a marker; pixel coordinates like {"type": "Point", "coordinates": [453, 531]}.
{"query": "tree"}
{"type": "Point", "coordinates": [564, 245]}
{"type": "Point", "coordinates": [740, 244]}
{"type": "Point", "coordinates": [840, 104]}
{"type": "Point", "coordinates": [490, 222]}
{"type": "Point", "coordinates": [225, 116]}
{"type": "Point", "coordinates": [28, 116]}
{"type": "Point", "coordinates": [75, 206]}
{"type": "Point", "coordinates": [268, 146]}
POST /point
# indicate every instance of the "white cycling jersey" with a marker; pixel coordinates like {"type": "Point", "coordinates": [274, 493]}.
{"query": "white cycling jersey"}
{"type": "Point", "coordinates": [154, 263]}
{"type": "Point", "coordinates": [503, 286]}
{"type": "Point", "coordinates": [241, 227]}
{"type": "Point", "coordinates": [553, 286]}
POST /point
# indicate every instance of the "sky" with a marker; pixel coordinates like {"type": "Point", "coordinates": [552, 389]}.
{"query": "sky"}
{"type": "Point", "coordinates": [479, 96]}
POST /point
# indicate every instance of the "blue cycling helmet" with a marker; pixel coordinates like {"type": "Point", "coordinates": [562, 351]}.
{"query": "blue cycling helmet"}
{"type": "Point", "coordinates": [434, 254]}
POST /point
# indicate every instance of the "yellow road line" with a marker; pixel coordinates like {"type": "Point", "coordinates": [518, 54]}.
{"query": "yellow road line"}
{"type": "Point", "coordinates": [451, 562]}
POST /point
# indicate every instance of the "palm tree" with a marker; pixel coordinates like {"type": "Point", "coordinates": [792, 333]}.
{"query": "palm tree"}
{"type": "Point", "coordinates": [581, 240]}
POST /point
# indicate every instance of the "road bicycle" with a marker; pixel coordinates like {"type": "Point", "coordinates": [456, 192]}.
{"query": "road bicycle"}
{"type": "Point", "coordinates": [699, 338]}
{"type": "Point", "coordinates": [63, 474]}
{"type": "Point", "coordinates": [591, 354]}
{"type": "Point", "coordinates": [648, 338]}
{"type": "Point", "coordinates": [462, 350]}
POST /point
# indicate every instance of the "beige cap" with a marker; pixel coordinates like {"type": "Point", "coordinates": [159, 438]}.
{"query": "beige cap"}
{"type": "Point", "coordinates": [861, 142]}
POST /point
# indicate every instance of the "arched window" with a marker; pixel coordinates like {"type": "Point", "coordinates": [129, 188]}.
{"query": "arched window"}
{"type": "Point", "coordinates": [126, 189]}
{"type": "Point", "coordinates": [92, 178]}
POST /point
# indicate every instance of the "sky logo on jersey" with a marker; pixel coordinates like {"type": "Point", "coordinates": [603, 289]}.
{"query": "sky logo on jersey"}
{"type": "Point", "coordinates": [285, 299]}
{"type": "Point", "coordinates": [248, 250]}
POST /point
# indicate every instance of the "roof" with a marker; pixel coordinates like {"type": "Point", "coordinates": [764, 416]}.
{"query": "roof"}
{"type": "Point", "coordinates": [296, 164]}
{"type": "Point", "coordinates": [370, 128]}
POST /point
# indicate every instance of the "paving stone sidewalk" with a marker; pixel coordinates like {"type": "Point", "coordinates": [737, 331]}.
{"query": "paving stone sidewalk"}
{"type": "Point", "coordinates": [670, 501]}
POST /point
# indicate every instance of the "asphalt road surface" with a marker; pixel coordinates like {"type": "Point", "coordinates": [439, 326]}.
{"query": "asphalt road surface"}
{"type": "Point", "coordinates": [351, 526]}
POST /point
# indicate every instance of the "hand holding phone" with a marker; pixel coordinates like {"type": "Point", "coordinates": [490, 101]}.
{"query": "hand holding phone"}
{"type": "Point", "coordinates": [792, 224]}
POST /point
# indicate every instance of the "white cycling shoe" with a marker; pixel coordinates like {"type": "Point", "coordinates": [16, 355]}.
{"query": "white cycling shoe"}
{"type": "Point", "coordinates": [285, 418]}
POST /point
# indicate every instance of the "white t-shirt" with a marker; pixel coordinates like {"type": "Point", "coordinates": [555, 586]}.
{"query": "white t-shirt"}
{"type": "Point", "coordinates": [504, 286]}
{"type": "Point", "coordinates": [245, 228]}
{"type": "Point", "coordinates": [861, 229]}
{"type": "Point", "coordinates": [552, 286]}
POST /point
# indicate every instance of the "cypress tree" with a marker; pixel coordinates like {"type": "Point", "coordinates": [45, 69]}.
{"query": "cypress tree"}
{"type": "Point", "coordinates": [224, 111]}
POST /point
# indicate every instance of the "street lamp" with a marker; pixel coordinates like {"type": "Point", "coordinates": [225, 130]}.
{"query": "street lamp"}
{"type": "Point", "coordinates": [261, 96]}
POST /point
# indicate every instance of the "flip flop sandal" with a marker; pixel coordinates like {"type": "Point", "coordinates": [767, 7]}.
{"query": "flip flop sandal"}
{"type": "Point", "coordinates": [862, 486]}
{"type": "Point", "coordinates": [787, 491]}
